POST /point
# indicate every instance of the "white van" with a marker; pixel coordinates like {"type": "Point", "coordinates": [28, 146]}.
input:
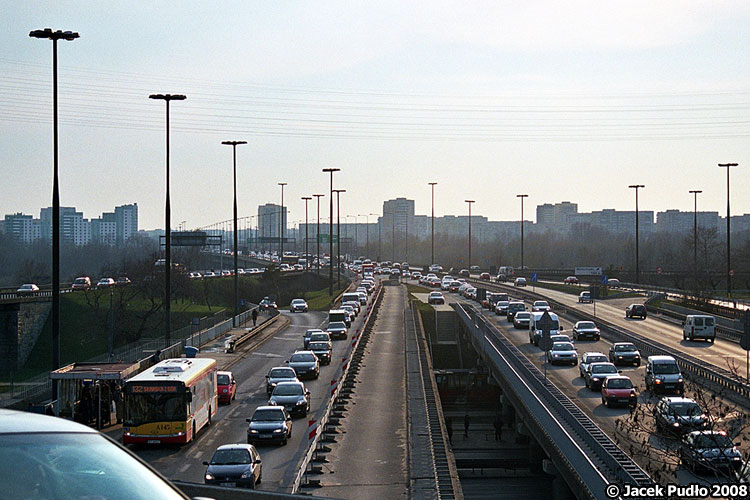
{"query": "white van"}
{"type": "Point", "coordinates": [350, 297]}
{"type": "Point", "coordinates": [699, 326]}
{"type": "Point", "coordinates": [535, 332]}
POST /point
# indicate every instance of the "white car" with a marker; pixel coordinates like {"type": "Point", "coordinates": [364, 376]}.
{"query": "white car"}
{"type": "Point", "coordinates": [105, 283]}
{"type": "Point", "coordinates": [28, 288]}
{"type": "Point", "coordinates": [519, 282]}
{"type": "Point", "coordinates": [540, 305]}
{"type": "Point", "coordinates": [298, 305]}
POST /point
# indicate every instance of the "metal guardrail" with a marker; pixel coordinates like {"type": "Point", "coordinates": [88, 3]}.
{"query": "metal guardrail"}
{"type": "Point", "coordinates": [315, 444]}
{"type": "Point", "coordinates": [728, 384]}
{"type": "Point", "coordinates": [619, 465]}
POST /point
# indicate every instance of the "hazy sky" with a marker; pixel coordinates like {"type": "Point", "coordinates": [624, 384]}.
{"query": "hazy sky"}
{"type": "Point", "coordinates": [560, 100]}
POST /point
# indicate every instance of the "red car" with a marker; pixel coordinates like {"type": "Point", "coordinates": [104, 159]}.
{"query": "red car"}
{"type": "Point", "coordinates": [619, 390]}
{"type": "Point", "coordinates": [571, 280]}
{"type": "Point", "coordinates": [227, 387]}
{"type": "Point", "coordinates": [484, 276]}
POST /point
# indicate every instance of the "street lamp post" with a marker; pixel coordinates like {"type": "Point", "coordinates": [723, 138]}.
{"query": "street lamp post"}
{"type": "Point", "coordinates": [167, 98]}
{"type": "Point", "coordinates": [729, 247]}
{"type": "Point", "coordinates": [432, 255]}
{"type": "Point", "coordinates": [307, 254]}
{"type": "Point", "coordinates": [695, 193]}
{"type": "Point", "coordinates": [317, 233]}
{"type": "Point", "coordinates": [234, 145]}
{"type": "Point", "coordinates": [338, 236]}
{"type": "Point", "coordinates": [469, 264]}
{"type": "Point", "coordinates": [282, 226]}
{"type": "Point", "coordinates": [330, 232]}
{"type": "Point", "coordinates": [69, 36]}
{"type": "Point", "coordinates": [637, 260]}
{"type": "Point", "coordinates": [522, 196]}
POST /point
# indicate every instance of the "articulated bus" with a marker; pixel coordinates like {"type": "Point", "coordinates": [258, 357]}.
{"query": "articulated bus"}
{"type": "Point", "coordinates": [170, 402]}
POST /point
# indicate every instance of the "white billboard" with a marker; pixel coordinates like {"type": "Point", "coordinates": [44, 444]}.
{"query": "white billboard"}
{"type": "Point", "coordinates": [588, 271]}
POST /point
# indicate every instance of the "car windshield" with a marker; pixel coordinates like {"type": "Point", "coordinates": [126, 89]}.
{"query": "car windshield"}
{"type": "Point", "coordinates": [603, 369]}
{"type": "Point", "coordinates": [302, 358]}
{"type": "Point", "coordinates": [319, 337]}
{"type": "Point", "coordinates": [666, 368]}
{"type": "Point", "coordinates": [686, 409]}
{"type": "Point", "coordinates": [308, 333]}
{"type": "Point", "coordinates": [597, 359]}
{"type": "Point", "coordinates": [231, 457]}
{"type": "Point", "coordinates": [562, 346]}
{"type": "Point", "coordinates": [523, 315]}
{"type": "Point", "coordinates": [625, 348]}
{"type": "Point", "coordinates": [288, 390]}
{"type": "Point", "coordinates": [318, 346]}
{"type": "Point", "coordinates": [222, 379]}
{"type": "Point", "coordinates": [298, 301]}
{"type": "Point", "coordinates": [715, 440]}
{"type": "Point", "coordinates": [540, 303]}
{"type": "Point", "coordinates": [586, 325]}
{"type": "Point", "coordinates": [268, 415]}
{"type": "Point", "coordinates": [620, 383]}
{"type": "Point", "coordinates": [81, 465]}
{"type": "Point", "coordinates": [282, 373]}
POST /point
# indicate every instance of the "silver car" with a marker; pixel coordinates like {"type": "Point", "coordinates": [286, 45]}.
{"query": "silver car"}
{"type": "Point", "coordinates": [562, 352]}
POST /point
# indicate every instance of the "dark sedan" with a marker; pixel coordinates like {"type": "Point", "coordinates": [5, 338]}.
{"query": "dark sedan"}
{"type": "Point", "coordinates": [710, 451]}
{"type": "Point", "coordinates": [337, 329]}
{"type": "Point", "coordinates": [596, 374]}
{"type": "Point", "coordinates": [636, 310]}
{"type": "Point", "coordinates": [269, 424]}
{"type": "Point", "coordinates": [305, 364]}
{"type": "Point", "coordinates": [322, 350]}
{"type": "Point", "coordinates": [624, 353]}
{"type": "Point", "coordinates": [234, 465]}
{"type": "Point", "coordinates": [293, 396]}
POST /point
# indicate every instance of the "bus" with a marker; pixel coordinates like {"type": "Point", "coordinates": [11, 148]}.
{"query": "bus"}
{"type": "Point", "coordinates": [170, 402]}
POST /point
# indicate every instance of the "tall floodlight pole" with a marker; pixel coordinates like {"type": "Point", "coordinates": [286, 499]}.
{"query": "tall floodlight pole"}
{"type": "Point", "coordinates": [234, 145]}
{"type": "Point", "coordinates": [338, 236]}
{"type": "Point", "coordinates": [695, 193]}
{"type": "Point", "coordinates": [307, 254]}
{"type": "Point", "coordinates": [330, 232]}
{"type": "Point", "coordinates": [469, 264]}
{"type": "Point", "coordinates": [282, 225]}
{"type": "Point", "coordinates": [522, 196]}
{"type": "Point", "coordinates": [637, 259]}
{"type": "Point", "coordinates": [69, 36]}
{"type": "Point", "coordinates": [317, 232]}
{"type": "Point", "coordinates": [729, 246]}
{"type": "Point", "coordinates": [167, 98]}
{"type": "Point", "coordinates": [432, 255]}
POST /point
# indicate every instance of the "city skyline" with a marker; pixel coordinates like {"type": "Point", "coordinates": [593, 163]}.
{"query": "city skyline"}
{"type": "Point", "coordinates": [488, 100]}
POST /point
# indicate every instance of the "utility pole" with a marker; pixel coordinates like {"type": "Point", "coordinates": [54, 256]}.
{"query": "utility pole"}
{"type": "Point", "coordinates": [729, 246]}
{"type": "Point", "coordinates": [522, 196]}
{"type": "Point", "coordinates": [330, 232]}
{"type": "Point", "coordinates": [695, 193]}
{"type": "Point", "coordinates": [432, 258]}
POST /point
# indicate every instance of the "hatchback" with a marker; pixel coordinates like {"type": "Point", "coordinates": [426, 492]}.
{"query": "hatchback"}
{"type": "Point", "coordinates": [234, 465]}
{"type": "Point", "coordinates": [293, 396]}
{"type": "Point", "coordinates": [269, 424]}
{"type": "Point", "coordinates": [298, 305]}
{"type": "Point", "coordinates": [619, 390]}
{"type": "Point", "coordinates": [226, 387]}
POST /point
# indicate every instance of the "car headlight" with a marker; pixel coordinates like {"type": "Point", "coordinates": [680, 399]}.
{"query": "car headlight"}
{"type": "Point", "coordinates": [657, 381]}
{"type": "Point", "coordinates": [675, 424]}
{"type": "Point", "coordinates": [679, 380]}
{"type": "Point", "coordinates": [209, 477]}
{"type": "Point", "coordinates": [278, 431]}
{"type": "Point", "coordinates": [619, 357]}
{"type": "Point", "coordinates": [595, 379]}
{"type": "Point", "coordinates": [554, 355]}
{"type": "Point", "coordinates": [253, 431]}
{"type": "Point", "coordinates": [301, 402]}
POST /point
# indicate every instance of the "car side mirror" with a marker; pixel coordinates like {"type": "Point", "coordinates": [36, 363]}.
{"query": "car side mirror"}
{"type": "Point", "coordinates": [287, 361]}
{"type": "Point", "coordinates": [266, 376]}
{"type": "Point", "coordinates": [248, 420]}
{"type": "Point", "coordinates": [258, 462]}
{"type": "Point", "coordinates": [737, 445]}
{"type": "Point", "coordinates": [619, 371]}
{"type": "Point", "coordinates": [307, 392]}
{"type": "Point", "coordinates": [205, 463]}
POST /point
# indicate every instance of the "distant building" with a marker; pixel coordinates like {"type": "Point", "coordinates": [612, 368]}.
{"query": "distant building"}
{"type": "Point", "coordinates": [126, 220]}
{"type": "Point", "coordinates": [74, 229]}
{"type": "Point", "coordinates": [104, 229]}
{"type": "Point", "coordinates": [675, 221]}
{"type": "Point", "coordinates": [271, 221]}
{"type": "Point", "coordinates": [23, 228]}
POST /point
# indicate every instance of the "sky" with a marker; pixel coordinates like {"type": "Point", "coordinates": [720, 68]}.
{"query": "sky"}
{"type": "Point", "coordinates": [563, 101]}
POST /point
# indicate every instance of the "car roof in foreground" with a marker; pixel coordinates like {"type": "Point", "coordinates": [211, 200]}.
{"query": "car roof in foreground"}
{"type": "Point", "coordinates": [12, 421]}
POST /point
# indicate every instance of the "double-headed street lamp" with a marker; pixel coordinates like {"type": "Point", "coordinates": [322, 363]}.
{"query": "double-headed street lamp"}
{"type": "Point", "coordinates": [637, 260]}
{"type": "Point", "coordinates": [695, 193]}
{"type": "Point", "coordinates": [167, 98]}
{"type": "Point", "coordinates": [432, 258]}
{"type": "Point", "coordinates": [729, 247]}
{"type": "Point", "coordinates": [234, 145]}
{"type": "Point", "coordinates": [330, 232]}
{"type": "Point", "coordinates": [307, 254]}
{"type": "Point", "coordinates": [469, 264]}
{"type": "Point", "coordinates": [338, 236]}
{"type": "Point", "coordinates": [69, 36]}
{"type": "Point", "coordinates": [522, 196]}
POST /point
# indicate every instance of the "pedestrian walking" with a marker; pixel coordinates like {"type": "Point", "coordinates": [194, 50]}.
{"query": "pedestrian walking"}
{"type": "Point", "coordinates": [498, 424]}
{"type": "Point", "coordinates": [449, 428]}
{"type": "Point", "coordinates": [255, 316]}
{"type": "Point", "coordinates": [467, 421]}
{"type": "Point", "coordinates": [118, 403]}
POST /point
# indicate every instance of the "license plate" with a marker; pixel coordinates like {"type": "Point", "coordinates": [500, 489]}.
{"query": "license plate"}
{"type": "Point", "coordinates": [623, 400]}
{"type": "Point", "coordinates": [265, 436]}
{"type": "Point", "coordinates": [154, 441]}
{"type": "Point", "coordinates": [227, 484]}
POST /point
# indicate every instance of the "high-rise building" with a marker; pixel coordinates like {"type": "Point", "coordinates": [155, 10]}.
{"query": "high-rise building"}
{"type": "Point", "coordinates": [24, 228]}
{"type": "Point", "coordinates": [74, 229]}
{"type": "Point", "coordinates": [126, 219]}
{"type": "Point", "coordinates": [104, 229]}
{"type": "Point", "coordinates": [270, 220]}
{"type": "Point", "coordinates": [676, 221]}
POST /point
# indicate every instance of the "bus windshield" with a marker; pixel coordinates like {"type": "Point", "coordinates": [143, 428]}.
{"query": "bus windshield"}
{"type": "Point", "coordinates": [154, 407]}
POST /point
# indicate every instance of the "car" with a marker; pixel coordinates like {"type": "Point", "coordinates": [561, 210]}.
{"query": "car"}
{"type": "Point", "coordinates": [585, 297]}
{"type": "Point", "coordinates": [501, 278]}
{"type": "Point", "coordinates": [519, 282]}
{"type": "Point", "coordinates": [710, 450]}
{"type": "Point", "coordinates": [337, 329]}
{"type": "Point", "coordinates": [587, 359]}
{"type": "Point", "coordinates": [464, 272]}
{"type": "Point", "coordinates": [678, 415]}
{"type": "Point", "coordinates": [123, 281]}
{"type": "Point", "coordinates": [434, 282]}
{"type": "Point", "coordinates": [470, 292]}
{"type": "Point", "coordinates": [484, 276]}
{"type": "Point", "coordinates": [305, 364]}
{"type": "Point", "coordinates": [416, 275]}
{"type": "Point", "coordinates": [624, 353]}
{"type": "Point", "coordinates": [27, 289]}
{"type": "Point", "coordinates": [277, 375]}
{"type": "Point", "coordinates": [454, 286]}
{"type": "Point", "coordinates": [293, 396]}
{"type": "Point", "coordinates": [663, 375]}
{"type": "Point", "coordinates": [540, 305]}
{"type": "Point", "coordinates": [406, 273]}
{"type": "Point", "coordinates": [501, 307]}
{"type": "Point", "coordinates": [436, 298]}
{"type": "Point", "coordinates": [362, 297]}
{"type": "Point", "coordinates": [81, 283]}
{"type": "Point", "coordinates": [535, 329]}
{"type": "Point", "coordinates": [614, 283]}
{"type": "Point", "coordinates": [513, 308]}
{"type": "Point", "coordinates": [105, 283]}
{"type": "Point", "coordinates": [571, 280]}
{"type": "Point", "coordinates": [562, 352]}
{"type": "Point", "coordinates": [269, 424]}
{"type": "Point", "coordinates": [586, 330]}
{"type": "Point", "coordinates": [64, 459]}
{"type": "Point", "coordinates": [521, 319]}
{"type": "Point", "coordinates": [560, 337]}
{"type": "Point", "coordinates": [322, 350]}
{"type": "Point", "coordinates": [226, 386]}
{"type": "Point", "coordinates": [195, 275]}
{"type": "Point", "coordinates": [307, 334]}
{"type": "Point", "coordinates": [320, 336]}
{"type": "Point", "coordinates": [634, 310]}
{"type": "Point", "coordinates": [352, 312]}
{"type": "Point", "coordinates": [446, 283]}
{"type": "Point", "coordinates": [597, 372]}
{"type": "Point", "coordinates": [234, 465]}
{"type": "Point", "coordinates": [395, 272]}
{"type": "Point", "coordinates": [619, 390]}
{"type": "Point", "coordinates": [436, 268]}
{"type": "Point", "coordinates": [267, 304]}
{"type": "Point", "coordinates": [298, 305]}
{"type": "Point", "coordinates": [355, 305]}
{"type": "Point", "coordinates": [462, 289]}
